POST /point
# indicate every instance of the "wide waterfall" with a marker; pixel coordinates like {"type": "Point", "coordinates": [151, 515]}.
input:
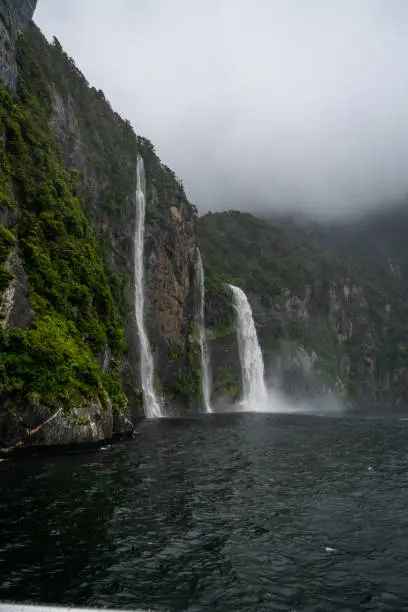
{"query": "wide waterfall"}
{"type": "Point", "coordinates": [205, 356]}
{"type": "Point", "coordinates": [255, 395]}
{"type": "Point", "coordinates": [151, 403]}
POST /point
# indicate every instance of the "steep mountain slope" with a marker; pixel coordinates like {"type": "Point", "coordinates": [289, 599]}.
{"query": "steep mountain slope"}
{"type": "Point", "coordinates": [103, 148]}
{"type": "Point", "coordinates": [68, 342]}
{"type": "Point", "coordinates": [323, 322]}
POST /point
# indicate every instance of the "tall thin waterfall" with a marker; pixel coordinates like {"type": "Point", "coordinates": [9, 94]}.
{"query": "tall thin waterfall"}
{"type": "Point", "coordinates": [151, 402]}
{"type": "Point", "coordinates": [250, 354]}
{"type": "Point", "coordinates": [205, 356]}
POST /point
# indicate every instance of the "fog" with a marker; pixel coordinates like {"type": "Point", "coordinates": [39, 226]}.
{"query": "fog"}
{"type": "Point", "coordinates": [273, 104]}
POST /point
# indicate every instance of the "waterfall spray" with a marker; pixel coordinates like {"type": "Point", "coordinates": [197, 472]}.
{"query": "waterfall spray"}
{"type": "Point", "coordinates": [255, 395]}
{"type": "Point", "coordinates": [205, 357]}
{"type": "Point", "coordinates": [151, 403]}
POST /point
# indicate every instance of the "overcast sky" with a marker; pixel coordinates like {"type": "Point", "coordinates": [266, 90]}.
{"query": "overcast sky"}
{"type": "Point", "coordinates": [300, 104]}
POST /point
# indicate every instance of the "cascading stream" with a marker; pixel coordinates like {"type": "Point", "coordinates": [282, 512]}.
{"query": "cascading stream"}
{"type": "Point", "coordinates": [205, 357]}
{"type": "Point", "coordinates": [255, 395]}
{"type": "Point", "coordinates": [151, 402]}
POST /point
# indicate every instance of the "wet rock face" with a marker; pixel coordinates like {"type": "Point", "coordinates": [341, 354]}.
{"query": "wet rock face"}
{"type": "Point", "coordinates": [15, 307]}
{"type": "Point", "coordinates": [168, 270]}
{"type": "Point", "coordinates": [66, 130]}
{"type": "Point", "coordinates": [41, 425]}
{"type": "Point", "coordinates": [89, 423]}
{"type": "Point", "coordinates": [15, 15]}
{"type": "Point", "coordinates": [8, 67]}
{"type": "Point", "coordinates": [170, 288]}
{"type": "Point", "coordinates": [18, 13]}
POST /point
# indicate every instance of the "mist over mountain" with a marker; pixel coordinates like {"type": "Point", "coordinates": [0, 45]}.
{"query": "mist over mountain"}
{"type": "Point", "coordinates": [377, 238]}
{"type": "Point", "coordinates": [267, 105]}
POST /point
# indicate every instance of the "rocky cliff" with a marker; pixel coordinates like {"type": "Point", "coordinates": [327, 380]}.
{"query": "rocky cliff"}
{"type": "Point", "coordinates": [69, 349]}
{"type": "Point", "coordinates": [14, 18]}
{"type": "Point", "coordinates": [325, 324]}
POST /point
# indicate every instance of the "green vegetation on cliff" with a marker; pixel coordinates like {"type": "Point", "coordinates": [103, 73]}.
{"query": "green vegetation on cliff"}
{"type": "Point", "coordinates": [245, 251]}
{"type": "Point", "coordinates": [75, 313]}
{"type": "Point", "coordinates": [67, 181]}
{"type": "Point", "coordinates": [187, 386]}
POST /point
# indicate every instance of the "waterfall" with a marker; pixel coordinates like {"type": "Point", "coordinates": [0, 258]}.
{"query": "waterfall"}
{"type": "Point", "coordinates": [255, 394]}
{"type": "Point", "coordinates": [205, 357]}
{"type": "Point", "coordinates": [151, 402]}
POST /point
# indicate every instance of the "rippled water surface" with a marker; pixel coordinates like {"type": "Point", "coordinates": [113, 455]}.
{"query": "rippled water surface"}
{"type": "Point", "coordinates": [223, 512]}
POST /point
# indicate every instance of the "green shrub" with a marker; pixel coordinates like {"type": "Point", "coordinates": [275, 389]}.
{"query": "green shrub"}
{"type": "Point", "coordinates": [113, 387]}
{"type": "Point", "coordinates": [49, 360]}
{"type": "Point", "coordinates": [187, 385]}
{"type": "Point", "coordinates": [5, 278]}
{"type": "Point", "coordinates": [7, 241]}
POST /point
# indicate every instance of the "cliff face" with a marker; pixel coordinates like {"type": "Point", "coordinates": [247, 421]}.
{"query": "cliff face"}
{"type": "Point", "coordinates": [108, 189]}
{"type": "Point", "coordinates": [107, 175]}
{"type": "Point", "coordinates": [14, 18]}
{"type": "Point", "coordinates": [67, 213]}
{"type": "Point", "coordinates": [325, 325]}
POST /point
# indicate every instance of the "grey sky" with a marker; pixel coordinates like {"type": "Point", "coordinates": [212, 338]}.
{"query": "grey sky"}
{"type": "Point", "coordinates": [279, 103]}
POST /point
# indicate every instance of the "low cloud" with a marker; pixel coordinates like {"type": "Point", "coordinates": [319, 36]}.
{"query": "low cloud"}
{"type": "Point", "coordinates": [274, 104]}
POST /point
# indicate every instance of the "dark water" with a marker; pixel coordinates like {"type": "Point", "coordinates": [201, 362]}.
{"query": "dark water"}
{"type": "Point", "coordinates": [231, 512]}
